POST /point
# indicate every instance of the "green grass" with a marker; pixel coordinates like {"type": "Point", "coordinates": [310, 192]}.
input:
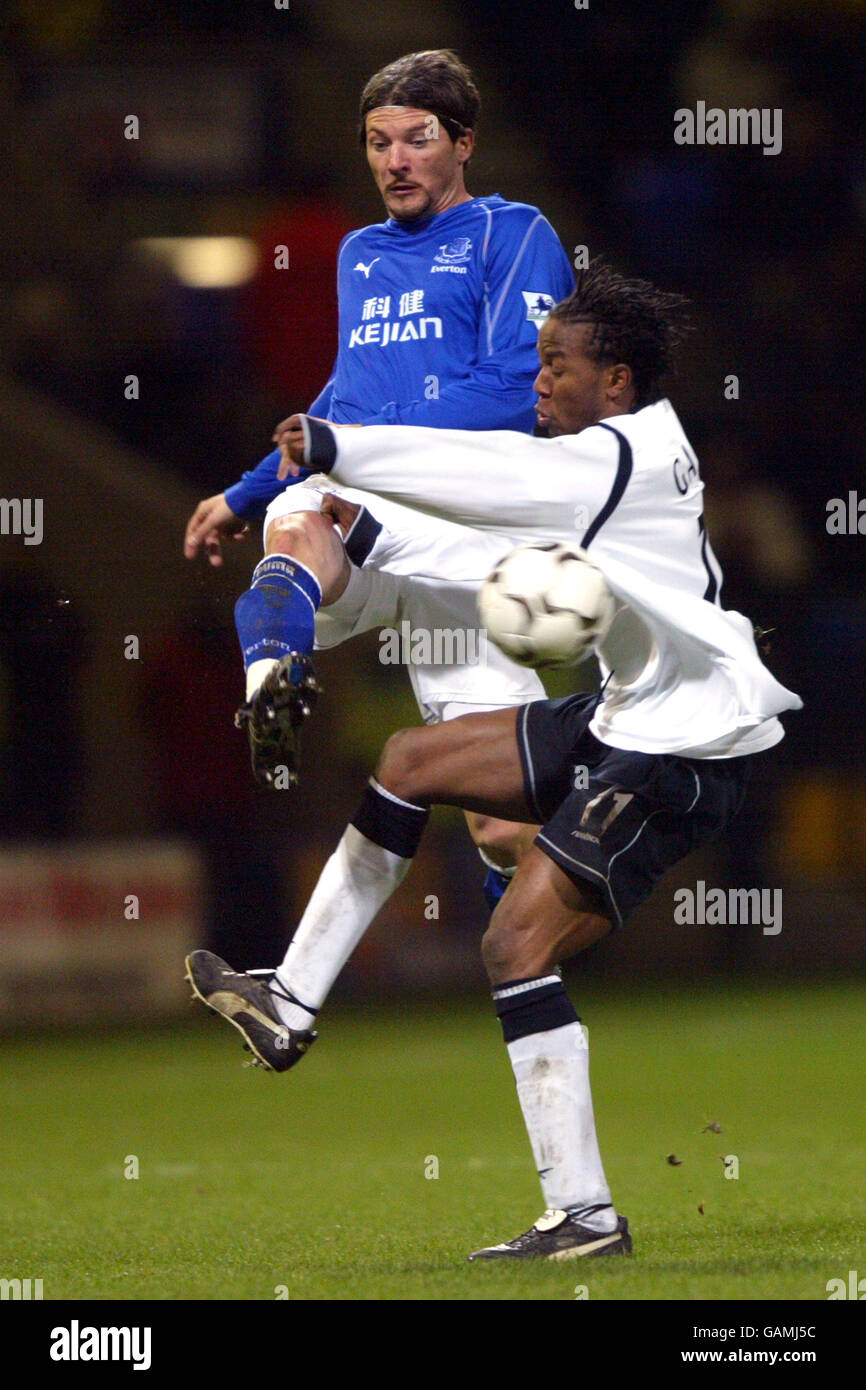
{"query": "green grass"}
{"type": "Point", "coordinates": [316, 1180]}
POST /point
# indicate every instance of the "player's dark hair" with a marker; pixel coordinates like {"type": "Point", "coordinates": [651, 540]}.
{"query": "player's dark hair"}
{"type": "Point", "coordinates": [435, 80]}
{"type": "Point", "coordinates": [634, 323]}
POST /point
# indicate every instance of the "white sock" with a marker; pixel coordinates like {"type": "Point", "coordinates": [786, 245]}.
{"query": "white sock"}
{"type": "Point", "coordinates": [552, 1074]}
{"type": "Point", "coordinates": [358, 878]}
{"type": "Point", "coordinates": [256, 672]}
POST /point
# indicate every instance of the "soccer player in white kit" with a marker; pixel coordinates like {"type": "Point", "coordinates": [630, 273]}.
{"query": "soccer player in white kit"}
{"type": "Point", "coordinates": [667, 745]}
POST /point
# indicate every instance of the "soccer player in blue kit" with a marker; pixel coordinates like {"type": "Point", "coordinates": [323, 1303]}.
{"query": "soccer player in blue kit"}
{"type": "Point", "coordinates": [439, 312]}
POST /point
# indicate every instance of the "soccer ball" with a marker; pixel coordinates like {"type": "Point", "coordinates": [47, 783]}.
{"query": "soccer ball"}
{"type": "Point", "coordinates": [546, 605]}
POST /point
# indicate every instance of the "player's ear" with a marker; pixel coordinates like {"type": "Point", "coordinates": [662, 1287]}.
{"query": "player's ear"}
{"type": "Point", "coordinates": [465, 145]}
{"type": "Point", "coordinates": [620, 380]}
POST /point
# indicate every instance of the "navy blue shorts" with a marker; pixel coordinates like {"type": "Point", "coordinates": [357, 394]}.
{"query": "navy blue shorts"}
{"type": "Point", "coordinates": [613, 818]}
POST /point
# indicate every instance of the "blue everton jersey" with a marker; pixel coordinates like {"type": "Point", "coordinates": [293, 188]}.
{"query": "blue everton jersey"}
{"type": "Point", "coordinates": [438, 326]}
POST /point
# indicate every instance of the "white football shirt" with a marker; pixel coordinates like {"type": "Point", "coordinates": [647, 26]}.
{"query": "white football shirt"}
{"type": "Point", "coordinates": [684, 675]}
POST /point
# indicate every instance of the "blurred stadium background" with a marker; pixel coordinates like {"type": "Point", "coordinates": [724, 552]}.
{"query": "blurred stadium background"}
{"type": "Point", "coordinates": [129, 828]}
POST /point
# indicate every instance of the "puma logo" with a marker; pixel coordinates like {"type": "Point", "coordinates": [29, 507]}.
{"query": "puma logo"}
{"type": "Point", "coordinates": [367, 268]}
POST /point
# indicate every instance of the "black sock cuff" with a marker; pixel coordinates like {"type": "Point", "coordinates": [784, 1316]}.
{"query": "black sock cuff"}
{"type": "Point", "coordinates": [320, 444]}
{"type": "Point", "coordinates": [362, 536]}
{"type": "Point", "coordinates": [533, 1008]}
{"type": "Point", "coordinates": [386, 820]}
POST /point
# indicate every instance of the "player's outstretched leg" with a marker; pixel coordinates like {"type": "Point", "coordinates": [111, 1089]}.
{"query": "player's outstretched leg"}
{"type": "Point", "coordinates": [276, 1017]}
{"type": "Point", "coordinates": [248, 1004]}
{"type": "Point", "coordinates": [439, 763]}
{"type": "Point", "coordinates": [305, 565]}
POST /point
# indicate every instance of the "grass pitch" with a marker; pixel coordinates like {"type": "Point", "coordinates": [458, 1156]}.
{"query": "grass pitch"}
{"type": "Point", "coordinates": [313, 1186]}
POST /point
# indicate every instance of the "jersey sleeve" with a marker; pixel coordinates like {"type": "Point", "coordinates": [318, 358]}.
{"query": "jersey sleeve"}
{"type": "Point", "coordinates": [526, 272]}
{"type": "Point", "coordinates": [321, 406]}
{"type": "Point", "coordinates": [557, 488]}
{"type": "Point", "coordinates": [257, 488]}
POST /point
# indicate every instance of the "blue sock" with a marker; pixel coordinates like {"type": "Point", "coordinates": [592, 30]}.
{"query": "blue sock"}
{"type": "Point", "coordinates": [495, 885]}
{"type": "Point", "coordinates": [277, 614]}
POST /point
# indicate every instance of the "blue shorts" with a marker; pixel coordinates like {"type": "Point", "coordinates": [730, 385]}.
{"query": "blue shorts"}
{"type": "Point", "coordinates": [613, 818]}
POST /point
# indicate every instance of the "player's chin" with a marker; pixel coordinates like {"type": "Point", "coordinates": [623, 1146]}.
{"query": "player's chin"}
{"type": "Point", "coordinates": [546, 427]}
{"type": "Point", "coordinates": [408, 209]}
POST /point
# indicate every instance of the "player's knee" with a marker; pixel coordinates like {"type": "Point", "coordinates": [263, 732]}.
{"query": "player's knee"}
{"type": "Point", "coordinates": [311, 539]}
{"type": "Point", "coordinates": [297, 530]}
{"type": "Point", "coordinates": [512, 953]}
{"type": "Point", "coordinates": [496, 952]}
{"type": "Point", "coordinates": [404, 765]}
{"type": "Point", "coordinates": [502, 841]}
{"type": "Point", "coordinates": [524, 947]}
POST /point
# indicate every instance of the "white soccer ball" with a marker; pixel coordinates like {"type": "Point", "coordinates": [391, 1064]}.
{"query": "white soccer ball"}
{"type": "Point", "coordinates": [546, 605]}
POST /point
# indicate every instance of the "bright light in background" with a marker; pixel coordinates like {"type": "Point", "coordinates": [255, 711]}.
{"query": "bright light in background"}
{"type": "Point", "coordinates": [203, 262]}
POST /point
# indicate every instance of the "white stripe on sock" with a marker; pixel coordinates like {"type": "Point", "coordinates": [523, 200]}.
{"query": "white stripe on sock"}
{"type": "Point", "coordinates": [526, 985]}
{"type": "Point", "coordinates": [398, 800]}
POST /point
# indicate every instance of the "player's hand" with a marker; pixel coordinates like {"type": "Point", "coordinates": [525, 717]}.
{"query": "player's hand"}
{"type": "Point", "coordinates": [340, 510]}
{"type": "Point", "coordinates": [289, 437]}
{"type": "Point", "coordinates": [212, 522]}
